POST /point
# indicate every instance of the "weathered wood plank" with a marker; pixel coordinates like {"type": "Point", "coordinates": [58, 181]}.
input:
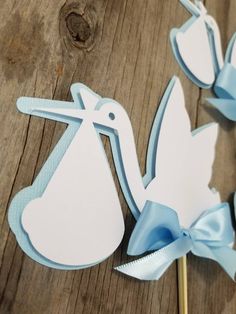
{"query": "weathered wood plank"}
{"type": "Point", "coordinates": [121, 50]}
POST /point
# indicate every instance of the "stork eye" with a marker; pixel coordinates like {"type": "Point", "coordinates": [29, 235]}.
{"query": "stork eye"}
{"type": "Point", "coordinates": [111, 116]}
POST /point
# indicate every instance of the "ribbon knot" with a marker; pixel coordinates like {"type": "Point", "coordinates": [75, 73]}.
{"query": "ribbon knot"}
{"type": "Point", "coordinates": [188, 233]}
{"type": "Point", "coordinates": [158, 229]}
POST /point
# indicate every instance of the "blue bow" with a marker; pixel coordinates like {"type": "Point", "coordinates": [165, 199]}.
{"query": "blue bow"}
{"type": "Point", "coordinates": [225, 89]}
{"type": "Point", "coordinates": [158, 230]}
{"type": "Point", "coordinates": [225, 84]}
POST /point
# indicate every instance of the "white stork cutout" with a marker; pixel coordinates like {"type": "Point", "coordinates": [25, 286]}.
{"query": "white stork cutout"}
{"type": "Point", "coordinates": [78, 219]}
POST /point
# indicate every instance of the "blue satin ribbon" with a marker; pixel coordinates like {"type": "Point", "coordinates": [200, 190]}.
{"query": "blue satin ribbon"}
{"type": "Point", "coordinates": [225, 85]}
{"type": "Point", "coordinates": [225, 89]}
{"type": "Point", "coordinates": [158, 230]}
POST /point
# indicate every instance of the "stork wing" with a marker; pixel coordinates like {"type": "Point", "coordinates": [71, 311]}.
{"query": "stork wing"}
{"type": "Point", "coordinates": [183, 162]}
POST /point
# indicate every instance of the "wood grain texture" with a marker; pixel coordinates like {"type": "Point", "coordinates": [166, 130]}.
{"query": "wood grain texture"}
{"type": "Point", "coordinates": [121, 50]}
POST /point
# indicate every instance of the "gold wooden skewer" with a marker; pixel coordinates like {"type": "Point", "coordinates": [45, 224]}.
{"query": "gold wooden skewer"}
{"type": "Point", "coordinates": [182, 285]}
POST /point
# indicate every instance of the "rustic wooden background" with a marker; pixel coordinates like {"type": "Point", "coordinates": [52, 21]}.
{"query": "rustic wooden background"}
{"type": "Point", "coordinates": [121, 50]}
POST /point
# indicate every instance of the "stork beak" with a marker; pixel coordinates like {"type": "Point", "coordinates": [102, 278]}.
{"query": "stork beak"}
{"type": "Point", "coordinates": [64, 113]}
{"type": "Point", "coordinates": [196, 9]}
{"type": "Point", "coordinates": [61, 110]}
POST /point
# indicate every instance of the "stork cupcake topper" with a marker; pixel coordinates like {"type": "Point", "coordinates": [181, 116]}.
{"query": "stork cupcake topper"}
{"type": "Point", "coordinates": [70, 218]}
{"type": "Point", "coordinates": [197, 48]}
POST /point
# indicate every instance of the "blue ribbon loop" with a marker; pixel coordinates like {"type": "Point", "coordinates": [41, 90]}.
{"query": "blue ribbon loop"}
{"type": "Point", "coordinates": [225, 85]}
{"type": "Point", "coordinates": [225, 89]}
{"type": "Point", "coordinates": [158, 230]}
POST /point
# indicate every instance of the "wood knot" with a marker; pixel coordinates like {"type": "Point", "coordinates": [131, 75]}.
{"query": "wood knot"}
{"type": "Point", "coordinates": [79, 25]}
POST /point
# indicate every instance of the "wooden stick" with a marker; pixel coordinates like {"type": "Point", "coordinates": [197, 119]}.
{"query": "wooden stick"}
{"type": "Point", "coordinates": [183, 285]}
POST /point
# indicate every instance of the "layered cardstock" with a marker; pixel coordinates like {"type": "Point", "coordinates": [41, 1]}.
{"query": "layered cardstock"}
{"type": "Point", "coordinates": [197, 48]}
{"type": "Point", "coordinates": [71, 216]}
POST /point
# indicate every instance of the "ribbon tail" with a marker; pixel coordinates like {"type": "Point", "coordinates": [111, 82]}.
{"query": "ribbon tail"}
{"type": "Point", "coordinates": [153, 266]}
{"type": "Point", "coordinates": [226, 106]}
{"type": "Point", "coordinates": [224, 256]}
